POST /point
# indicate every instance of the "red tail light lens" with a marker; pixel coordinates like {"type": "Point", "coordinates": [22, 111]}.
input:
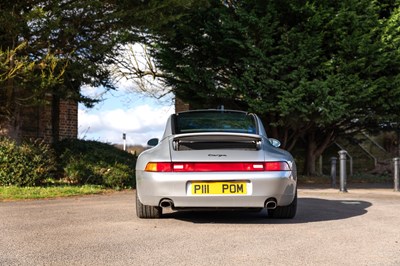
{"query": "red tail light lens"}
{"type": "Point", "coordinates": [216, 166]}
{"type": "Point", "coordinates": [158, 167]}
{"type": "Point", "coordinates": [276, 166]}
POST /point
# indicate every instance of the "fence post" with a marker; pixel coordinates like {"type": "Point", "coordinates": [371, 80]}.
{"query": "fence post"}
{"type": "Point", "coordinates": [396, 174]}
{"type": "Point", "coordinates": [333, 171]}
{"type": "Point", "coordinates": [124, 138]}
{"type": "Point", "coordinates": [343, 173]}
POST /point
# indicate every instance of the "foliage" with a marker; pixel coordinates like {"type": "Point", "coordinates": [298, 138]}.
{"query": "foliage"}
{"type": "Point", "coordinates": [33, 77]}
{"type": "Point", "coordinates": [83, 38]}
{"type": "Point", "coordinates": [50, 49]}
{"type": "Point", "coordinates": [24, 69]}
{"type": "Point", "coordinates": [78, 162]}
{"type": "Point", "coordinates": [119, 176]}
{"type": "Point", "coordinates": [91, 162]}
{"type": "Point", "coordinates": [135, 63]}
{"type": "Point", "coordinates": [27, 164]}
{"type": "Point", "coordinates": [83, 33]}
{"type": "Point", "coordinates": [313, 70]}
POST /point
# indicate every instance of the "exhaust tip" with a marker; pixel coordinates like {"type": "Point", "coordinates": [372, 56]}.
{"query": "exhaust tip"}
{"type": "Point", "coordinates": [165, 203]}
{"type": "Point", "coordinates": [270, 204]}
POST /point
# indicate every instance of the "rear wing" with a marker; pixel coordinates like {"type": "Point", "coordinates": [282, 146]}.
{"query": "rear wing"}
{"type": "Point", "coordinates": [216, 140]}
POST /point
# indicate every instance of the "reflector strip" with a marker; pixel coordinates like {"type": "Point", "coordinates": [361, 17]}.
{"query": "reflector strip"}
{"type": "Point", "coordinates": [178, 166]}
{"type": "Point", "coordinates": [258, 166]}
{"type": "Point", "coordinates": [216, 166]}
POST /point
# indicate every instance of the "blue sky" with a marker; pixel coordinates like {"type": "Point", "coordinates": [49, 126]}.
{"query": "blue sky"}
{"type": "Point", "coordinates": [141, 117]}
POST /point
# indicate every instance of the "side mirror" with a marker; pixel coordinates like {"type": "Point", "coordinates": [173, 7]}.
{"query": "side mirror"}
{"type": "Point", "coordinates": [152, 142]}
{"type": "Point", "coordinates": [276, 143]}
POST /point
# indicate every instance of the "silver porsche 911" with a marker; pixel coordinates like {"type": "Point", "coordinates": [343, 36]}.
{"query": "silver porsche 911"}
{"type": "Point", "coordinates": [217, 159]}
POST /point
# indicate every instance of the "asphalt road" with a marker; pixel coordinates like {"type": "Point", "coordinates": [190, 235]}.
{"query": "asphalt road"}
{"type": "Point", "coordinates": [361, 227]}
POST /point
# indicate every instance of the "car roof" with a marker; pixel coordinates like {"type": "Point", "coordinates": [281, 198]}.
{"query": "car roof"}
{"type": "Point", "coordinates": [213, 110]}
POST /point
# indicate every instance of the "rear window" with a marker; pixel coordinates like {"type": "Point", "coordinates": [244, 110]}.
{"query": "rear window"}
{"type": "Point", "coordinates": [215, 121]}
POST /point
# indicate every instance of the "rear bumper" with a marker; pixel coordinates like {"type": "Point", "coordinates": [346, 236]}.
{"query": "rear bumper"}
{"type": "Point", "coordinates": [153, 187]}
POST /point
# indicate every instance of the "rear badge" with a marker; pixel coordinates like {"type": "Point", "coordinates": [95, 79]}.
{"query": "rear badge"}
{"type": "Point", "coordinates": [216, 155]}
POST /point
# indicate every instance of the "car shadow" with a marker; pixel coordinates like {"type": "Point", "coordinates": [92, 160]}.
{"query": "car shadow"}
{"type": "Point", "coordinates": [308, 210]}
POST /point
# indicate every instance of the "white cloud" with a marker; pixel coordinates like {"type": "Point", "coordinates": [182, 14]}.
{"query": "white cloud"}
{"type": "Point", "coordinates": [93, 92]}
{"type": "Point", "coordinates": [131, 109]}
{"type": "Point", "coordinates": [140, 123]}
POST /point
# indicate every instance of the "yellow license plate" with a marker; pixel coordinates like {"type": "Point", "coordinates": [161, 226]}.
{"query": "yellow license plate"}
{"type": "Point", "coordinates": [218, 188]}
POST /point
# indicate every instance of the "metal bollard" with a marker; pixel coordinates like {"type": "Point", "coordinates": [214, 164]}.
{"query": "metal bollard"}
{"type": "Point", "coordinates": [343, 173]}
{"type": "Point", "coordinates": [333, 171]}
{"type": "Point", "coordinates": [396, 174]}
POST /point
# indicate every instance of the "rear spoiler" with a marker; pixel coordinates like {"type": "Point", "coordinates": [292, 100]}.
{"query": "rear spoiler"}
{"type": "Point", "coordinates": [214, 138]}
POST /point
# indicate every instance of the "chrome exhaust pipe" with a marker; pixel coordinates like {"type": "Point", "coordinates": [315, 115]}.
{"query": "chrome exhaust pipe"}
{"type": "Point", "coordinates": [270, 204]}
{"type": "Point", "coordinates": [165, 203]}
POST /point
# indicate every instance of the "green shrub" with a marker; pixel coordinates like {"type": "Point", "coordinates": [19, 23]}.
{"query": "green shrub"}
{"type": "Point", "coordinates": [25, 164]}
{"type": "Point", "coordinates": [76, 171]}
{"type": "Point", "coordinates": [92, 162]}
{"type": "Point", "coordinates": [117, 176]}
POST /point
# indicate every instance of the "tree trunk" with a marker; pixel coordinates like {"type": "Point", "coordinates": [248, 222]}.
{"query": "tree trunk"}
{"type": "Point", "coordinates": [309, 164]}
{"type": "Point", "coordinates": [315, 148]}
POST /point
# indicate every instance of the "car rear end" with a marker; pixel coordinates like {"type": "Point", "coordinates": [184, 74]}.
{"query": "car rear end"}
{"type": "Point", "coordinates": [216, 170]}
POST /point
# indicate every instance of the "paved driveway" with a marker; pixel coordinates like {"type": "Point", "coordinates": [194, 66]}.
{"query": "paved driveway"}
{"type": "Point", "coordinates": [361, 227]}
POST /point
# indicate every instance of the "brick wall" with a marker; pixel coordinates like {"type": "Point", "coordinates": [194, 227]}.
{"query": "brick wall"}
{"type": "Point", "coordinates": [45, 122]}
{"type": "Point", "coordinates": [181, 106]}
{"type": "Point", "coordinates": [68, 120]}
{"type": "Point", "coordinates": [36, 122]}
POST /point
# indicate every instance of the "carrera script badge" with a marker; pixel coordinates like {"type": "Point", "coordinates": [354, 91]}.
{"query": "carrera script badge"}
{"type": "Point", "coordinates": [216, 155]}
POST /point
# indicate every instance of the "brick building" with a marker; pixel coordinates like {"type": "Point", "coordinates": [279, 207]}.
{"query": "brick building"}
{"type": "Point", "coordinates": [40, 122]}
{"type": "Point", "coordinates": [181, 106]}
{"type": "Point", "coordinates": [56, 120]}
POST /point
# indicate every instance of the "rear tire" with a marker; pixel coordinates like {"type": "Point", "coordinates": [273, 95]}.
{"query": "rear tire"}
{"type": "Point", "coordinates": [284, 212]}
{"type": "Point", "coordinates": [146, 211]}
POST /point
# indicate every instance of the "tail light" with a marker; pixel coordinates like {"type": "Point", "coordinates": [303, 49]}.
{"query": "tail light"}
{"type": "Point", "coordinates": [276, 166]}
{"type": "Point", "coordinates": [158, 167]}
{"type": "Point", "coordinates": [216, 166]}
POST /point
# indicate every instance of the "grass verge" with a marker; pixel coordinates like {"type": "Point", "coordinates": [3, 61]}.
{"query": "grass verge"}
{"type": "Point", "coordinates": [8, 193]}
